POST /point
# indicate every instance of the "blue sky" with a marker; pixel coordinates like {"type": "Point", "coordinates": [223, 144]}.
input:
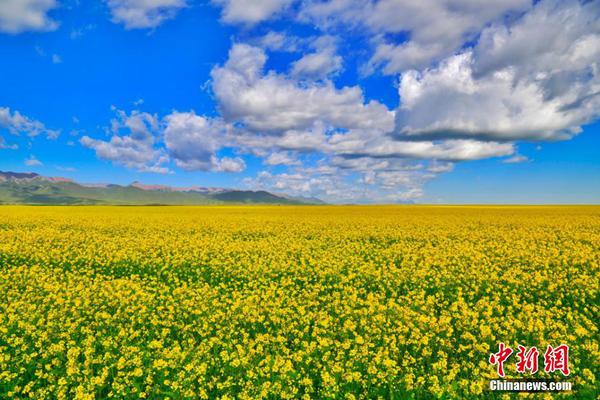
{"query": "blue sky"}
{"type": "Point", "coordinates": [350, 101]}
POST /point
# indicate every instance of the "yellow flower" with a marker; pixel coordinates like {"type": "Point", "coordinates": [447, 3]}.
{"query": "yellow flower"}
{"type": "Point", "coordinates": [290, 302]}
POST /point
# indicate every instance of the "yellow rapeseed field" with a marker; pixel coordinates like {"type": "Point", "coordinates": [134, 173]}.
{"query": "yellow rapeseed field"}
{"type": "Point", "coordinates": [291, 302]}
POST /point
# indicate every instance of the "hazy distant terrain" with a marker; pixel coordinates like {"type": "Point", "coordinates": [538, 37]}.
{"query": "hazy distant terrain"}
{"type": "Point", "coordinates": [30, 188]}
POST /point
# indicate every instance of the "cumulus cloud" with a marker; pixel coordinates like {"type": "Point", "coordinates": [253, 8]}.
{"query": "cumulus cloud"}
{"type": "Point", "coordinates": [146, 143]}
{"type": "Point", "coordinates": [320, 64]}
{"type": "Point", "coordinates": [17, 123]}
{"type": "Point", "coordinates": [396, 58]}
{"type": "Point", "coordinates": [143, 14]}
{"type": "Point", "coordinates": [250, 12]}
{"type": "Point", "coordinates": [281, 158]}
{"type": "Point", "coordinates": [18, 16]}
{"type": "Point", "coordinates": [435, 28]}
{"type": "Point", "coordinates": [277, 117]}
{"type": "Point", "coordinates": [137, 150]}
{"type": "Point", "coordinates": [278, 113]}
{"type": "Point", "coordinates": [338, 179]}
{"type": "Point", "coordinates": [229, 164]}
{"type": "Point", "coordinates": [474, 79]}
{"type": "Point", "coordinates": [313, 139]}
{"type": "Point", "coordinates": [339, 185]}
{"type": "Point", "coordinates": [516, 84]}
{"type": "Point", "coordinates": [33, 162]}
{"type": "Point", "coordinates": [317, 65]}
{"type": "Point", "coordinates": [438, 167]}
{"type": "Point", "coordinates": [556, 36]}
{"type": "Point", "coordinates": [193, 141]}
{"type": "Point", "coordinates": [273, 103]}
{"type": "Point", "coordinates": [131, 153]}
{"type": "Point", "coordinates": [361, 143]}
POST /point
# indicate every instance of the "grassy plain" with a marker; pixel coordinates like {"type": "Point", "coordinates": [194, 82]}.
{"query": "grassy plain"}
{"type": "Point", "coordinates": [291, 302]}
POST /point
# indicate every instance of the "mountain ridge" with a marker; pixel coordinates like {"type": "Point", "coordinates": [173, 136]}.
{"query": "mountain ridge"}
{"type": "Point", "coordinates": [33, 188]}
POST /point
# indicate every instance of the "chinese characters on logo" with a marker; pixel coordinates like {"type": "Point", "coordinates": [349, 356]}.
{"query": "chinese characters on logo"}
{"type": "Point", "coordinates": [555, 359]}
{"type": "Point", "coordinates": [500, 357]}
{"type": "Point", "coordinates": [528, 360]}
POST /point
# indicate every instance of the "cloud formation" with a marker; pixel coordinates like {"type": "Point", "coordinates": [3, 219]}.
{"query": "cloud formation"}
{"type": "Point", "coordinates": [17, 123]}
{"type": "Point", "coordinates": [473, 80]}
{"type": "Point", "coordinates": [322, 63]}
{"type": "Point", "coordinates": [516, 159]}
{"type": "Point", "coordinates": [144, 14]}
{"type": "Point", "coordinates": [344, 185]}
{"type": "Point", "coordinates": [279, 112]}
{"type": "Point", "coordinates": [250, 12]}
{"type": "Point", "coordinates": [435, 28]}
{"type": "Point", "coordinates": [137, 150]}
{"type": "Point", "coordinates": [274, 103]}
{"type": "Point", "coordinates": [32, 161]}
{"type": "Point", "coordinates": [18, 16]}
{"type": "Point", "coordinates": [193, 142]}
{"type": "Point", "coordinates": [537, 79]}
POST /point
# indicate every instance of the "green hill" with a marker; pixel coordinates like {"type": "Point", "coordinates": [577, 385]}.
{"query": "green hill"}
{"type": "Point", "coordinates": [242, 196]}
{"type": "Point", "coordinates": [29, 188]}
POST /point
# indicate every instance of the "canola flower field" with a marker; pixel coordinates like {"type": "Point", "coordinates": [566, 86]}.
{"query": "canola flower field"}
{"type": "Point", "coordinates": [270, 302]}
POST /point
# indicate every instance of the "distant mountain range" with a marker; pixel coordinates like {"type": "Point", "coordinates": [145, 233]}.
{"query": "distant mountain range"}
{"type": "Point", "coordinates": [31, 188]}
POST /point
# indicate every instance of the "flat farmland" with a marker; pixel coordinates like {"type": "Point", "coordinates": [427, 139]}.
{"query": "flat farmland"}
{"type": "Point", "coordinates": [290, 302]}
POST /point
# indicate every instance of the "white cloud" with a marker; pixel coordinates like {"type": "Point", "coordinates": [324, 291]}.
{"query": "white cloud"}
{"type": "Point", "coordinates": [142, 14]}
{"type": "Point", "coordinates": [273, 103]}
{"type": "Point", "coordinates": [138, 150]}
{"type": "Point", "coordinates": [435, 28]}
{"type": "Point", "coordinates": [396, 58]}
{"type": "Point", "coordinates": [56, 59]}
{"type": "Point", "coordinates": [193, 141]}
{"type": "Point", "coordinates": [388, 174]}
{"type": "Point", "coordinates": [318, 65]}
{"type": "Point", "coordinates": [250, 12]}
{"type": "Point", "coordinates": [281, 158]}
{"type": "Point", "coordinates": [340, 186]}
{"type": "Point", "coordinates": [279, 41]}
{"type": "Point", "coordinates": [516, 84]}
{"type": "Point", "coordinates": [33, 162]}
{"type": "Point", "coordinates": [4, 146]}
{"type": "Point", "coordinates": [321, 64]}
{"type": "Point", "coordinates": [190, 140]}
{"type": "Point", "coordinates": [364, 179]}
{"type": "Point", "coordinates": [277, 114]}
{"type": "Point", "coordinates": [229, 164]}
{"type": "Point", "coordinates": [131, 153]}
{"type": "Point", "coordinates": [141, 124]}
{"type": "Point", "coordinates": [438, 167]}
{"type": "Point", "coordinates": [309, 140]}
{"type": "Point", "coordinates": [516, 159]}
{"type": "Point", "coordinates": [556, 36]}
{"type": "Point", "coordinates": [370, 164]}
{"type": "Point", "coordinates": [360, 143]}
{"type": "Point", "coordinates": [17, 123]}
{"type": "Point", "coordinates": [18, 16]}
